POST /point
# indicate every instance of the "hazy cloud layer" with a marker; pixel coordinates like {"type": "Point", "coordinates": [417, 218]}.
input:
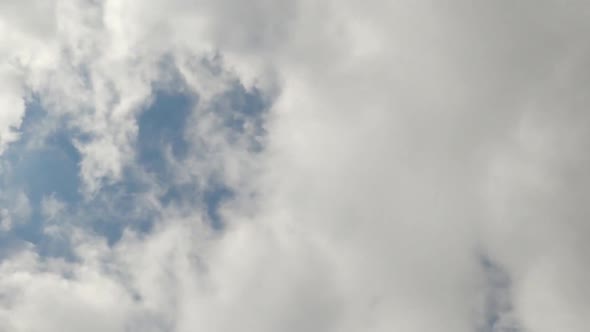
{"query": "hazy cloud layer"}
{"type": "Point", "coordinates": [299, 165]}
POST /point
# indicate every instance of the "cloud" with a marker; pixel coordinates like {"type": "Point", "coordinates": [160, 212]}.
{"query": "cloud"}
{"type": "Point", "coordinates": [288, 166]}
{"type": "Point", "coordinates": [17, 210]}
{"type": "Point", "coordinates": [12, 102]}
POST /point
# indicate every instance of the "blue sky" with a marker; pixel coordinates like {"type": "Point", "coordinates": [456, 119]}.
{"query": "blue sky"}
{"type": "Point", "coordinates": [45, 163]}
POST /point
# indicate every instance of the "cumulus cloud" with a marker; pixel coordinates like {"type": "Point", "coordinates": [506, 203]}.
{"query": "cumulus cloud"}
{"type": "Point", "coordinates": [371, 166]}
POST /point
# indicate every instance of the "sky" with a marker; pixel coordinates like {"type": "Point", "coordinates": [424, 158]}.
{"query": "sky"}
{"type": "Point", "coordinates": [294, 165]}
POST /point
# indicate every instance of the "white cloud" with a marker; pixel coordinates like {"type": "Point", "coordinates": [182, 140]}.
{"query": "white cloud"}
{"type": "Point", "coordinates": [16, 210]}
{"type": "Point", "coordinates": [12, 105]}
{"type": "Point", "coordinates": [405, 142]}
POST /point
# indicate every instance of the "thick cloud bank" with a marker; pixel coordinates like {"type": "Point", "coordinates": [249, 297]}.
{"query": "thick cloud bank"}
{"type": "Point", "coordinates": [221, 165]}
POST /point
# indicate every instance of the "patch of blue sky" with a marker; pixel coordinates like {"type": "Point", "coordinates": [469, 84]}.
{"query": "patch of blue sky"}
{"type": "Point", "coordinates": [213, 198]}
{"type": "Point", "coordinates": [162, 126]}
{"type": "Point", "coordinates": [45, 163]}
{"type": "Point", "coordinates": [241, 108]}
{"type": "Point", "coordinates": [39, 170]}
{"type": "Point", "coordinates": [497, 301]}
